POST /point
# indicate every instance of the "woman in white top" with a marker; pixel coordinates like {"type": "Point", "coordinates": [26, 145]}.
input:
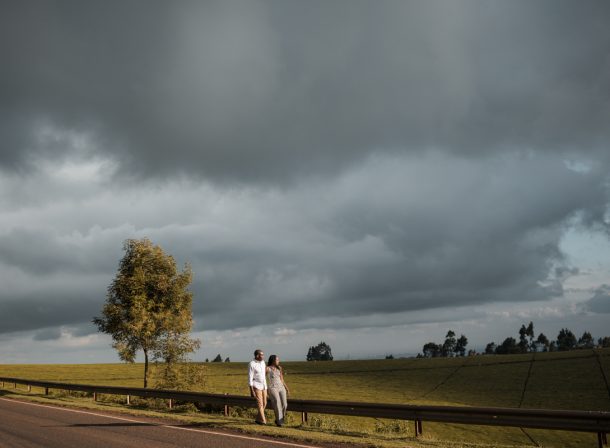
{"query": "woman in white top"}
{"type": "Point", "coordinates": [278, 390]}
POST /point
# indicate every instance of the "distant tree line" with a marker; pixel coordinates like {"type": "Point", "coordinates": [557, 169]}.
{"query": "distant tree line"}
{"type": "Point", "coordinates": [528, 342]}
{"type": "Point", "coordinates": [450, 347]}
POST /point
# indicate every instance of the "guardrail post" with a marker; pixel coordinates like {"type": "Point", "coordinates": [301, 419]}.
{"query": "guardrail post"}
{"type": "Point", "coordinates": [601, 439]}
{"type": "Point", "coordinates": [94, 396]}
{"type": "Point", "coordinates": [29, 388]}
{"type": "Point", "coordinates": [303, 417]}
{"type": "Point", "coordinates": [171, 403]}
{"type": "Point", "coordinates": [226, 408]}
{"type": "Point", "coordinates": [46, 391]}
{"type": "Point", "coordinates": [418, 427]}
{"type": "Point", "coordinates": [128, 400]}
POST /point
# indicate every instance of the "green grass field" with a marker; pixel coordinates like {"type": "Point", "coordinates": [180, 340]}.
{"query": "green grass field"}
{"type": "Point", "coordinates": [567, 380]}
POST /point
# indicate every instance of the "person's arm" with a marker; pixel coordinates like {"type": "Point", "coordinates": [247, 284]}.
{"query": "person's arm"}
{"type": "Point", "coordinates": [284, 382]}
{"type": "Point", "coordinates": [251, 379]}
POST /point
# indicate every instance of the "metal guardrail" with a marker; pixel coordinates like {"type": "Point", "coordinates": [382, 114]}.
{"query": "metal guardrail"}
{"type": "Point", "coordinates": [583, 421]}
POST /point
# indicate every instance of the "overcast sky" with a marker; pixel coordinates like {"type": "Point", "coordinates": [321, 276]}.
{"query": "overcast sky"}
{"type": "Point", "coordinates": [370, 174]}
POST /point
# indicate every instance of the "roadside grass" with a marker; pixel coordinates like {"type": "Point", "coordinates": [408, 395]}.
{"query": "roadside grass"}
{"type": "Point", "coordinates": [560, 380]}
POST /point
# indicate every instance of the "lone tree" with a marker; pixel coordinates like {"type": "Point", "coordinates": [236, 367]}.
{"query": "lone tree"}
{"type": "Point", "coordinates": [148, 306]}
{"type": "Point", "coordinates": [320, 352]}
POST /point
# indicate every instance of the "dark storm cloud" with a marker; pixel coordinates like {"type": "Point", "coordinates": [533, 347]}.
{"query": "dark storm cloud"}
{"type": "Point", "coordinates": [388, 156]}
{"type": "Point", "coordinates": [48, 334]}
{"type": "Point", "coordinates": [54, 333]}
{"type": "Point", "coordinates": [395, 234]}
{"type": "Point", "coordinates": [53, 307]}
{"type": "Point", "coordinates": [263, 90]}
{"type": "Point", "coordinates": [600, 302]}
{"type": "Point", "coordinates": [432, 233]}
{"type": "Point", "coordinates": [37, 253]}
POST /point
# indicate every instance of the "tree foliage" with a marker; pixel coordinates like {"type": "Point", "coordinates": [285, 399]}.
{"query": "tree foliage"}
{"type": "Point", "coordinates": [509, 346]}
{"type": "Point", "coordinates": [432, 350]}
{"type": "Point", "coordinates": [320, 352]}
{"type": "Point", "coordinates": [490, 348]}
{"type": "Point", "coordinates": [527, 342]}
{"type": "Point", "coordinates": [542, 341]}
{"type": "Point", "coordinates": [566, 340]}
{"type": "Point", "coordinates": [460, 345]}
{"type": "Point", "coordinates": [176, 371]}
{"type": "Point", "coordinates": [529, 332]}
{"type": "Point", "coordinates": [523, 339]}
{"type": "Point", "coordinates": [450, 347]}
{"type": "Point", "coordinates": [526, 338]}
{"type": "Point", "coordinates": [148, 306]}
{"type": "Point", "coordinates": [586, 340]}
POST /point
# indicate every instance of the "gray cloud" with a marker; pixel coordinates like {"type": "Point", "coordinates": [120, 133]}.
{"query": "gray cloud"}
{"type": "Point", "coordinates": [394, 234]}
{"type": "Point", "coordinates": [59, 305]}
{"type": "Point", "coordinates": [313, 162]}
{"type": "Point", "coordinates": [432, 233]}
{"type": "Point", "coordinates": [600, 302]}
{"type": "Point", "coordinates": [47, 334]}
{"type": "Point", "coordinates": [268, 90]}
{"type": "Point", "coordinates": [37, 252]}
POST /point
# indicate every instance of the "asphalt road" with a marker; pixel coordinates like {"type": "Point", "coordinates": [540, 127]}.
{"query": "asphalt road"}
{"type": "Point", "coordinates": [29, 425]}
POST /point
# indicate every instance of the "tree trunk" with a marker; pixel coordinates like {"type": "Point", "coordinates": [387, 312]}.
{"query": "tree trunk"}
{"type": "Point", "coordinates": [145, 368]}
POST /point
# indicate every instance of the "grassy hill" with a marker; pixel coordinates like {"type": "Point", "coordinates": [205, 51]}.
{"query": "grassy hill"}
{"type": "Point", "coordinates": [566, 380]}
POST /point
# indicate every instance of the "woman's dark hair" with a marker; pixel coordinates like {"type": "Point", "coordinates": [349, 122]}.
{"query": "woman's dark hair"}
{"type": "Point", "coordinates": [271, 361]}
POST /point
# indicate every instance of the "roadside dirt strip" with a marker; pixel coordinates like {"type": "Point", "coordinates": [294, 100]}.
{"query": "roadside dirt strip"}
{"type": "Point", "coordinates": [31, 425]}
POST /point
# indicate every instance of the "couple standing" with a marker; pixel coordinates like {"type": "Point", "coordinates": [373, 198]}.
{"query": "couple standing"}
{"type": "Point", "coordinates": [278, 390]}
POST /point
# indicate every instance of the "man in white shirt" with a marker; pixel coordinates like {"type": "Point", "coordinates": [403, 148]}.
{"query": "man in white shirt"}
{"type": "Point", "coordinates": [257, 379]}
